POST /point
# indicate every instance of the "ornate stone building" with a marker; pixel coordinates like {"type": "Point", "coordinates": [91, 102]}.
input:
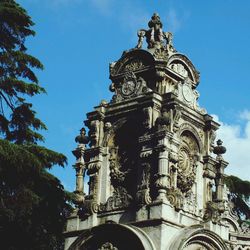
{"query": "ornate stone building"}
{"type": "Point", "coordinates": [155, 173]}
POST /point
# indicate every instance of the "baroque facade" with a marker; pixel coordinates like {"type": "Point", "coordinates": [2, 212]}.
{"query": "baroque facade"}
{"type": "Point", "coordinates": [154, 170]}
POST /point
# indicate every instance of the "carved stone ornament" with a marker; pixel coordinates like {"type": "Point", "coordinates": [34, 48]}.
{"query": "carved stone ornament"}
{"type": "Point", "coordinates": [145, 175]}
{"type": "Point", "coordinates": [134, 65]}
{"type": "Point", "coordinates": [173, 157]}
{"type": "Point", "coordinates": [212, 137]}
{"type": "Point", "coordinates": [186, 170]}
{"type": "Point", "coordinates": [120, 200]}
{"type": "Point", "coordinates": [190, 203]}
{"type": "Point", "coordinates": [198, 245]}
{"type": "Point", "coordinates": [175, 198]}
{"type": "Point", "coordinates": [163, 121]}
{"type": "Point", "coordinates": [161, 54]}
{"type": "Point", "coordinates": [176, 119]}
{"type": "Point", "coordinates": [147, 115]}
{"type": "Point", "coordinates": [185, 161]}
{"type": "Point", "coordinates": [184, 67]}
{"type": "Point", "coordinates": [180, 69]}
{"type": "Point", "coordinates": [187, 93]}
{"type": "Point", "coordinates": [117, 176]}
{"type": "Point", "coordinates": [94, 133]}
{"type": "Point", "coordinates": [162, 181]}
{"type": "Point", "coordinates": [90, 206]}
{"type": "Point", "coordinates": [214, 211]}
{"type": "Point", "coordinates": [190, 96]}
{"type": "Point", "coordinates": [93, 167]}
{"type": "Point", "coordinates": [187, 158]}
{"type": "Point", "coordinates": [82, 139]}
{"type": "Point", "coordinates": [131, 86]}
{"type": "Point", "coordinates": [155, 36]}
{"type": "Point", "coordinates": [107, 246]}
{"type": "Point", "coordinates": [245, 227]}
{"type": "Point", "coordinates": [143, 195]}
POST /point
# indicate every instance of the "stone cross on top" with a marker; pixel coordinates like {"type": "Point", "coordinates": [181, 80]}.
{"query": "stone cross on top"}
{"type": "Point", "coordinates": [155, 36]}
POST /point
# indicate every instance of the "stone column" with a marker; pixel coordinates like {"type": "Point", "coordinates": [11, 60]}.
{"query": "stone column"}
{"type": "Point", "coordinates": [82, 140]}
{"type": "Point", "coordinates": [219, 189]}
{"type": "Point", "coordinates": [219, 150]}
{"type": "Point", "coordinates": [162, 182]}
{"type": "Point", "coordinates": [79, 178]}
{"type": "Point", "coordinates": [79, 167]}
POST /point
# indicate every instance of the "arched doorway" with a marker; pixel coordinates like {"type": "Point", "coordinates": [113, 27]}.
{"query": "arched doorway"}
{"type": "Point", "coordinates": [113, 236]}
{"type": "Point", "coordinates": [197, 238]}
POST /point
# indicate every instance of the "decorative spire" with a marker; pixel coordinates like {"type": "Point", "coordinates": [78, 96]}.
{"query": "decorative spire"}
{"type": "Point", "coordinates": [155, 22]}
{"type": "Point", "coordinates": [155, 36]}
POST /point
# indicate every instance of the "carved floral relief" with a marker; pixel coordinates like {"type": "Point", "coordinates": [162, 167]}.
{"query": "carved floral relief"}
{"type": "Point", "coordinates": [187, 158]}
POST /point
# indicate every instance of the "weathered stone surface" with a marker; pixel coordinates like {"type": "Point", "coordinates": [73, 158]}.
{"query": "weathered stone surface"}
{"type": "Point", "coordinates": [153, 181]}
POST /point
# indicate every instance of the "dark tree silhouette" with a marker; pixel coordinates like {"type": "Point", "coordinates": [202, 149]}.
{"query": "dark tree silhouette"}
{"type": "Point", "coordinates": [33, 203]}
{"type": "Point", "coordinates": [239, 195]}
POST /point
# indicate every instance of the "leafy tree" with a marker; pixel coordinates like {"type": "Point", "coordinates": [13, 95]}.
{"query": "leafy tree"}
{"type": "Point", "coordinates": [33, 203]}
{"type": "Point", "coordinates": [239, 195]}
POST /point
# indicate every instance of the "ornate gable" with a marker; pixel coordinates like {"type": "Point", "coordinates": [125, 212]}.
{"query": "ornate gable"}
{"type": "Point", "coordinates": [153, 182]}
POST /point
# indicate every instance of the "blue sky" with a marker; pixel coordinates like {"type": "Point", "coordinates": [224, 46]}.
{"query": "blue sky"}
{"type": "Point", "coordinates": [77, 39]}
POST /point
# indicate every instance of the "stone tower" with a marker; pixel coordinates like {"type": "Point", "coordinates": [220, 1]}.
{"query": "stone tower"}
{"type": "Point", "coordinates": [154, 182]}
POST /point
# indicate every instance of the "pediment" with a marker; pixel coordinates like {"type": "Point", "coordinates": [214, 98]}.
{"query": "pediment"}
{"type": "Point", "coordinates": [132, 61]}
{"type": "Point", "coordinates": [181, 65]}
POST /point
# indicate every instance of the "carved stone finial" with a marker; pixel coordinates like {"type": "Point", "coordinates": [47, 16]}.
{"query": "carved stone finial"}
{"type": "Point", "coordinates": [155, 22]}
{"type": "Point", "coordinates": [155, 36]}
{"type": "Point", "coordinates": [103, 103]}
{"type": "Point", "coordinates": [82, 138]}
{"type": "Point", "coordinates": [219, 149]}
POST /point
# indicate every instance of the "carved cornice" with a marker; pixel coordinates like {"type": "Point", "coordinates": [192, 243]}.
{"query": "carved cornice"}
{"type": "Point", "coordinates": [210, 124]}
{"type": "Point", "coordinates": [129, 106]}
{"type": "Point", "coordinates": [95, 151]}
{"type": "Point", "coordinates": [160, 134]}
{"type": "Point", "coordinates": [146, 153]}
{"type": "Point", "coordinates": [193, 118]}
{"type": "Point", "coordinates": [146, 138]}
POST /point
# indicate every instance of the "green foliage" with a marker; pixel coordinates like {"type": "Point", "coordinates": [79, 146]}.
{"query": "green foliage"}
{"type": "Point", "coordinates": [239, 194]}
{"type": "Point", "coordinates": [17, 79]}
{"type": "Point", "coordinates": [33, 203]}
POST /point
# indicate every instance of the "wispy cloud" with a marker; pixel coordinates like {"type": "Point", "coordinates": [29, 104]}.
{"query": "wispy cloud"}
{"type": "Point", "coordinates": [103, 6]}
{"type": "Point", "coordinates": [175, 19]}
{"type": "Point", "coordinates": [130, 15]}
{"type": "Point", "coordinates": [245, 115]}
{"type": "Point", "coordinates": [236, 138]}
{"type": "Point", "coordinates": [134, 18]}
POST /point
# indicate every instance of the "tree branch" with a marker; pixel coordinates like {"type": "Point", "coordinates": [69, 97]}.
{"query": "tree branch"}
{"type": "Point", "coordinates": [8, 103]}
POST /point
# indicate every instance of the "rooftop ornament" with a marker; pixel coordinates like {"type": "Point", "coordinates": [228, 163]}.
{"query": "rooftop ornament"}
{"type": "Point", "coordinates": [82, 138]}
{"type": "Point", "coordinates": [219, 150]}
{"type": "Point", "coordinates": [155, 36]}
